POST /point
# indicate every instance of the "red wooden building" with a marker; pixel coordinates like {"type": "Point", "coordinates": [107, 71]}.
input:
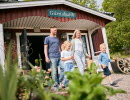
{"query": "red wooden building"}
{"type": "Point", "coordinates": [38, 16]}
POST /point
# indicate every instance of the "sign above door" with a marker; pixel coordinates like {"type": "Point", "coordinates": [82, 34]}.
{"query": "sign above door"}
{"type": "Point", "coordinates": [61, 13]}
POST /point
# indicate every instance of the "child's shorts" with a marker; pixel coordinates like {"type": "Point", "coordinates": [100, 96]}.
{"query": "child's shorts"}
{"type": "Point", "coordinates": [106, 71]}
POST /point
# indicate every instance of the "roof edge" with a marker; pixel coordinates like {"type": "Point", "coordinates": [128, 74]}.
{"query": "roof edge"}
{"type": "Point", "coordinates": [55, 2]}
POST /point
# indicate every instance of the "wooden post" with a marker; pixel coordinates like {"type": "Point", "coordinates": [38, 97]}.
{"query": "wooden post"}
{"type": "Point", "coordinates": [105, 41]}
{"type": "Point", "coordinates": [2, 54]}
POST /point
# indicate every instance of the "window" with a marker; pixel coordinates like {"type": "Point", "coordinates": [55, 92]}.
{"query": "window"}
{"type": "Point", "coordinates": [84, 39]}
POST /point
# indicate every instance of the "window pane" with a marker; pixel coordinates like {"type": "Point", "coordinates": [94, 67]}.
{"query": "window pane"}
{"type": "Point", "coordinates": [84, 43]}
{"type": "Point", "coordinates": [70, 37]}
{"type": "Point", "coordinates": [83, 39]}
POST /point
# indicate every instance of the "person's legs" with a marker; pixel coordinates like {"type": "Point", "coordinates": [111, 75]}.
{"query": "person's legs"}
{"type": "Point", "coordinates": [108, 73]}
{"type": "Point", "coordinates": [110, 79]}
{"type": "Point", "coordinates": [68, 68]}
{"type": "Point", "coordinates": [83, 59]}
{"type": "Point", "coordinates": [79, 62]}
{"type": "Point", "coordinates": [61, 77]}
{"type": "Point", "coordinates": [54, 66]}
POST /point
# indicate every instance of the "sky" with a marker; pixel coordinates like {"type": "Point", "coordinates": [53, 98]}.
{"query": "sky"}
{"type": "Point", "coordinates": [99, 3]}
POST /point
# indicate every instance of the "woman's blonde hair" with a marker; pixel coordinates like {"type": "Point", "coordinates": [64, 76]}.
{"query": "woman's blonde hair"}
{"type": "Point", "coordinates": [64, 45]}
{"type": "Point", "coordinates": [74, 35]}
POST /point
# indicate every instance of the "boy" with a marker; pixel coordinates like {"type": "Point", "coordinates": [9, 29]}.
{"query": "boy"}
{"type": "Point", "coordinates": [104, 60]}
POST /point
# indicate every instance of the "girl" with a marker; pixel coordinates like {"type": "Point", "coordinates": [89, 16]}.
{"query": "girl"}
{"type": "Point", "coordinates": [67, 58]}
{"type": "Point", "coordinates": [79, 51]}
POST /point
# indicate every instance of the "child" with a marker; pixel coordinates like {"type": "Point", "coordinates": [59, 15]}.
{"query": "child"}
{"type": "Point", "coordinates": [104, 60]}
{"type": "Point", "coordinates": [67, 58]}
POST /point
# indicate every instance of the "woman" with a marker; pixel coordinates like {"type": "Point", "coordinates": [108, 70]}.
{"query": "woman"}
{"type": "Point", "coordinates": [79, 51]}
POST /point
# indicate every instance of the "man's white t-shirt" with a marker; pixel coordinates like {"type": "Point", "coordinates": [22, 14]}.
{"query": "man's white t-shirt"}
{"type": "Point", "coordinates": [78, 45]}
{"type": "Point", "coordinates": [66, 54]}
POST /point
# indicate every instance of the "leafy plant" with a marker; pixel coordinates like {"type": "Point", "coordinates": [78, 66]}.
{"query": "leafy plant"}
{"type": "Point", "coordinates": [36, 84]}
{"type": "Point", "coordinates": [8, 78]}
{"type": "Point", "coordinates": [88, 86]}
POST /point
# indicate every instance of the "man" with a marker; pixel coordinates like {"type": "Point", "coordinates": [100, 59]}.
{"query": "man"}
{"type": "Point", "coordinates": [52, 53]}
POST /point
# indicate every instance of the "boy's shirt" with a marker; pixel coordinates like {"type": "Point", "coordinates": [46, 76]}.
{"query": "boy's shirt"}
{"type": "Point", "coordinates": [104, 59]}
{"type": "Point", "coordinates": [66, 54]}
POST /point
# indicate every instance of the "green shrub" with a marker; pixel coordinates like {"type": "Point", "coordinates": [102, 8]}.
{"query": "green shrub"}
{"type": "Point", "coordinates": [8, 78]}
{"type": "Point", "coordinates": [35, 84]}
{"type": "Point", "coordinates": [88, 86]}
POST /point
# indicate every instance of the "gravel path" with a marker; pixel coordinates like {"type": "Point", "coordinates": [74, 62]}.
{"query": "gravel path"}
{"type": "Point", "coordinates": [123, 82]}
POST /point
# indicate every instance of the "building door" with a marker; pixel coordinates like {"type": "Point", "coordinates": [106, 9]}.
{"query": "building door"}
{"type": "Point", "coordinates": [84, 39]}
{"type": "Point", "coordinates": [35, 47]}
{"type": "Point", "coordinates": [36, 50]}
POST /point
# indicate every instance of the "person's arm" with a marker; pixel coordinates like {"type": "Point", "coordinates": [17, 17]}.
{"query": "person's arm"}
{"type": "Point", "coordinates": [46, 43]}
{"type": "Point", "coordinates": [110, 60]}
{"type": "Point", "coordinates": [85, 52]}
{"type": "Point", "coordinates": [69, 58]}
{"type": "Point", "coordinates": [59, 49]}
{"type": "Point", "coordinates": [63, 55]}
{"type": "Point", "coordinates": [88, 56]}
{"type": "Point", "coordinates": [100, 61]}
{"type": "Point", "coordinates": [72, 46]}
{"type": "Point", "coordinates": [46, 53]}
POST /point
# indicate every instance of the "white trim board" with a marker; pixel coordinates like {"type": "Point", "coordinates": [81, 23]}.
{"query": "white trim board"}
{"type": "Point", "coordinates": [18, 44]}
{"type": "Point", "coordinates": [91, 43]}
{"type": "Point", "coordinates": [55, 2]}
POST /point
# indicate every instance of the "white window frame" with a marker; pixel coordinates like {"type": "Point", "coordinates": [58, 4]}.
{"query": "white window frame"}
{"type": "Point", "coordinates": [86, 40]}
{"type": "Point", "coordinates": [18, 44]}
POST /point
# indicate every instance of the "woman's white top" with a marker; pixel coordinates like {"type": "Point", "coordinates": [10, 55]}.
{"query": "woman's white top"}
{"type": "Point", "coordinates": [78, 45]}
{"type": "Point", "coordinates": [66, 54]}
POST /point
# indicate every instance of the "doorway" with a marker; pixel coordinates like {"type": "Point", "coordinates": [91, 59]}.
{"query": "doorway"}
{"type": "Point", "coordinates": [36, 50]}
{"type": "Point", "coordinates": [37, 43]}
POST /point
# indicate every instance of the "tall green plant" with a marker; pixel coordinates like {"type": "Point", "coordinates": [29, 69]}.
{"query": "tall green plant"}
{"type": "Point", "coordinates": [8, 78]}
{"type": "Point", "coordinates": [88, 86]}
{"type": "Point", "coordinates": [35, 84]}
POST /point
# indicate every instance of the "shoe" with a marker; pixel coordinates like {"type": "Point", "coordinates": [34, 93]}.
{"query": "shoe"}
{"type": "Point", "coordinates": [67, 88]}
{"type": "Point", "coordinates": [61, 86]}
{"type": "Point", "coordinates": [113, 83]}
{"type": "Point", "coordinates": [54, 89]}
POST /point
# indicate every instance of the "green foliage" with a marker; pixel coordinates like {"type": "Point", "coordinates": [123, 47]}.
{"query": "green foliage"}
{"type": "Point", "coordinates": [35, 82]}
{"type": "Point", "coordinates": [118, 32]}
{"type": "Point", "coordinates": [88, 3]}
{"type": "Point", "coordinates": [8, 78]}
{"type": "Point", "coordinates": [88, 86]}
{"type": "Point", "coordinates": [37, 62]}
